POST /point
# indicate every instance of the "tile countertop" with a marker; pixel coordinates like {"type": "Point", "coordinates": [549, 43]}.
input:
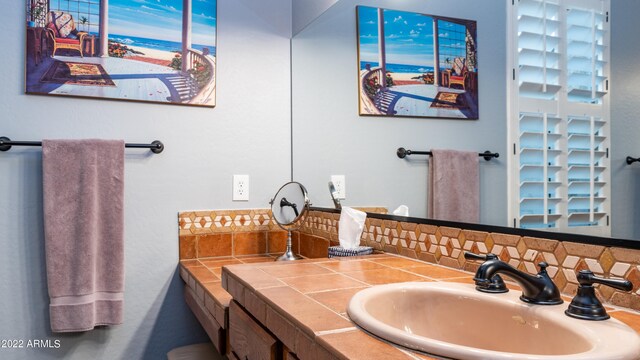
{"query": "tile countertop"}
{"type": "Point", "coordinates": [304, 302]}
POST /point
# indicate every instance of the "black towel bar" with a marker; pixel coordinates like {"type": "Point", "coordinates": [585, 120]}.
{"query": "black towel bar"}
{"type": "Point", "coordinates": [402, 153]}
{"type": "Point", "coordinates": [631, 160]}
{"type": "Point", "coordinates": [5, 145]}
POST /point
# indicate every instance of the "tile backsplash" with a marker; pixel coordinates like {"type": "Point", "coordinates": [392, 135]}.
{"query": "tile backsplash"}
{"type": "Point", "coordinates": [233, 229]}
{"type": "Point", "coordinates": [218, 233]}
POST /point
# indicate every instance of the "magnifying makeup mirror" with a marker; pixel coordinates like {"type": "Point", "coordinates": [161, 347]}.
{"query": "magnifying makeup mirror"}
{"type": "Point", "coordinates": [288, 207]}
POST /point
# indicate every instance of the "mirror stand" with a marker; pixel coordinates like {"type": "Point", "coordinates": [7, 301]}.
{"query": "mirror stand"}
{"type": "Point", "coordinates": [288, 207]}
{"type": "Point", "coordinates": [288, 253]}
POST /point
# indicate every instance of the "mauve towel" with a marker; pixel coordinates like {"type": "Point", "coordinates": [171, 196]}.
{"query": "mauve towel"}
{"type": "Point", "coordinates": [454, 191]}
{"type": "Point", "coordinates": [83, 184]}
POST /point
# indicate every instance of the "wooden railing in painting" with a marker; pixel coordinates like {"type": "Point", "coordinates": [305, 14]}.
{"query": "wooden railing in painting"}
{"type": "Point", "coordinates": [371, 81]}
{"type": "Point", "coordinates": [200, 63]}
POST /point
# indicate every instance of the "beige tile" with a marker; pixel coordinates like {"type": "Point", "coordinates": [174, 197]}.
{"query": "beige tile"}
{"type": "Point", "coordinates": [324, 282]}
{"type": "Point", "coordinates": [255, 306]}
{"type": "Point", "coordinates": [353, 265]}
{"type": "Point", "coordinates": [255, 256]}
{"type": "Point", "coordinates": [540, 244]}
{"type": "Point", "coordinates": [213, 245]}
{"type": "Point", "coordinates": [188, 247]}
{"type": "Point", "coordinates": [314, 246]}
{"type": "Point", "coordinates": [626, 255]}
{"type": "Point", "coordinates": [630, 318]}
{"type": "Point", "coordinates": [219, 262]}
{"type": "Point", "coordinates": [336, 300]}
{"type": "Point", "coordinates": [281, 327]}
{"type": "Point", "coordinates": [189, 263]}
{"type": "Point", "coordinates": [252, 275]}
{"type": "Point", "coordinates": [583, 250]}
{"type": "Point", "coordinates": [308, 349]}
{"type": "Point", "coordinates": [249, 243]}
{"type": "Point", "coordinates": [357, 344]}
{"type": "Point", "coordinates": [302, 311]}
{"type": "Point", "coordinates": [384, 276]}
{"type": "Point", "coordinates": [220, 295]}
{"type": "Point", "coordinates": [261, 259]}
{"type": "Point", "coordinates": [293, 269]}
{"type": "Point", "coordinates": [449, 232]}
{"type": "Point", "coordinates": [398, 262]}
{"type": "Point", "coordinates": [202, 274]}
{"type": "Point", "coordinates": [450, 262]}
{"type": "Point", "coordinates": [217, 272]}
{"type": "Point", "coordinates": [438, 272]}
{"type": "Point", "coordinates": [276, 241]}
{"type": "Point", "coordinates": [505, 239]}
{"type": "Point", "coordinates": [236, 289]}
{"type": "Point", "coordinates": [472, 235]}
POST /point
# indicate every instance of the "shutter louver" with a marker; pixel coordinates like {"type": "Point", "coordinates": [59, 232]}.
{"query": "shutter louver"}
{"type": "Point", "coordinates": [559, 116]}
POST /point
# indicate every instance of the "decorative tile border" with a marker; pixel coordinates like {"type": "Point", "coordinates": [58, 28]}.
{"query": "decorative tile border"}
{"type": "Point", "coordinates": [446, 246]}
{"type": "Point", "coordinates": [221, 221]}
{"type": "Point", "coordinates": [437, 244]}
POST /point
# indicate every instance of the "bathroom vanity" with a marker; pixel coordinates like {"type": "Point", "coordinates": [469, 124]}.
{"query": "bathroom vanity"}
{"type": "Point", "coordinates": [253, 307]}
{"type": "Point", "coordinates": [275, 310]}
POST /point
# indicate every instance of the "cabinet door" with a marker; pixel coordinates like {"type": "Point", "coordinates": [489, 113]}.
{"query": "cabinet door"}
{"type": "Point", "coordinates": [248, 339]}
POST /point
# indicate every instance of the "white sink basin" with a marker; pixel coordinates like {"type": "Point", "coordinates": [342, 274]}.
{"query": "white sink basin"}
{"type": "Point", "coordinates": [455, 320]}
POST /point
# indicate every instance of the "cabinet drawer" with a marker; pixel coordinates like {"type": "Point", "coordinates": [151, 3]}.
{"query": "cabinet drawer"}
{"type": "Point", "coordinates": [248, 339]}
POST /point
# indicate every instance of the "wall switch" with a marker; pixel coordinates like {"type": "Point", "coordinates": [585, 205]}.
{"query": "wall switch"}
{"type": "Point", "coordinates": [240, 187]}
{"type": "Point", "coordinates": [340, 185]}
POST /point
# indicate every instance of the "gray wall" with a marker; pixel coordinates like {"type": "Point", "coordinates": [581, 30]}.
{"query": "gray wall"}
{"type": "Point", "coordinates": [330, 137]}
{"type": "Point", "coordinates": [248, 133]}
{"type": "Point", "coordinates": [305, 11]}
{"type": "Point", "coordinates": [625, 126]}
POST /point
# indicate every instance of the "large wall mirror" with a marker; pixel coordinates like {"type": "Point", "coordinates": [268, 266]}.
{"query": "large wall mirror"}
{"type": "Point", "coordinates": [330, 138]}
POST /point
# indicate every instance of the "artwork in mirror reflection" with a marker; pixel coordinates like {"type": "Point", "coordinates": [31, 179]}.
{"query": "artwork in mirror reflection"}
{"type": "Point", "coordinates": [416, 65]}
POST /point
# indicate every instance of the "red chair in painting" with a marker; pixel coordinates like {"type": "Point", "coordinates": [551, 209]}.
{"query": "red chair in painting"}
{"type": "Point", "coordinates": [62, 33]}
{"type": "Point", "coordinates": [458, 73]}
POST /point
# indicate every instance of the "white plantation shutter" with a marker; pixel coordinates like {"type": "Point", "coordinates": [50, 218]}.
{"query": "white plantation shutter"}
{"type": "Point", "coordinates": [559, 115]}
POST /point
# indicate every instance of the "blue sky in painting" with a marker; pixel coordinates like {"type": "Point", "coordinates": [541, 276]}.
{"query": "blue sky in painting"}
{"type": "Point", "coordinates": [408, 36]}
{"type": "Point", "coordinates": [162, 19]}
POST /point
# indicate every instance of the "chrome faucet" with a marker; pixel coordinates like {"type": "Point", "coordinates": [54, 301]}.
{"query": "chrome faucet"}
{"type": "Point", "coordinates": [536, 289]}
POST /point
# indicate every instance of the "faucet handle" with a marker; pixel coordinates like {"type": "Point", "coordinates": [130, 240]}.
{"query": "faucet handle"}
{"type": "Point", "coordinates": [496, 285]}
{"type": "Point", "coordinates": [543, 267]}
{"type": "Point", "coordinates": [587, 278]}
{"type": "Point", "coordinates": [585, 305]}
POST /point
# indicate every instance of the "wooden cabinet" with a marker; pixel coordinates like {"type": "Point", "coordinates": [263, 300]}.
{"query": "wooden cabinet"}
{"type": "Point", "coordinates": [248, 339]}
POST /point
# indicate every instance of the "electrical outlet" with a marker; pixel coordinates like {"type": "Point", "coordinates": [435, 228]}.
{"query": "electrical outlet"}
{"type": "Point", "coordinates": [340, 185]}
{"type": "Point", "coordinates": [240, 187]}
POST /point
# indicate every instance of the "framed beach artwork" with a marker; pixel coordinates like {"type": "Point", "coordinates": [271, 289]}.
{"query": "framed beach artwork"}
{"type": "Point", "coordinates": [159, 51]}
{"type": "Point", "coordinates": [416, 65]}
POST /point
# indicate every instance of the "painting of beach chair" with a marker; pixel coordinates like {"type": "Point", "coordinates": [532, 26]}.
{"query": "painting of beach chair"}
{"type": "Point", "coordinates": [458, 73]}
{"type": "Point", "coordinates": [62, 33]}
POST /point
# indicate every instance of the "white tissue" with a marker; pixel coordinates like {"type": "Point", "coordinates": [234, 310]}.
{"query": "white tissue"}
{"type": "Point", "coordinates": [402, 210]}
{"type": "Point", "coordinates": [350, 227]}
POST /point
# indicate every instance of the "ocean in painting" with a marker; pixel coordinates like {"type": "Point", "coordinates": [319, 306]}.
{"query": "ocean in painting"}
{"type": "Point", "coordinates": [399, 68]}
{"type": "Point", "coordinates": [155, 44]}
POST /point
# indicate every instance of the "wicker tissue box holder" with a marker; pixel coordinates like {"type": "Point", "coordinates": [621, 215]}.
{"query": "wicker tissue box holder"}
{"type": "Point", "coordinates": [338, 251]}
